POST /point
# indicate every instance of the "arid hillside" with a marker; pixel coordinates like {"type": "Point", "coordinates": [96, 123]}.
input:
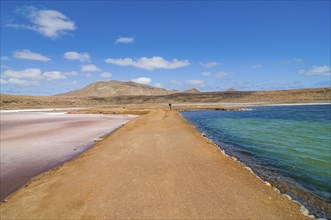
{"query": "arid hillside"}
{"type": "Point", "coordinates": [319, 95]}
{"type": "Point", "coordinates": [117, 88]}
{"type": "Point", "coordinates": [194, 90]}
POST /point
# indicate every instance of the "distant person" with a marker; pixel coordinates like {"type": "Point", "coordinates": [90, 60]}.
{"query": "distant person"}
{"type": "Point", "coordinates": [170, 106]}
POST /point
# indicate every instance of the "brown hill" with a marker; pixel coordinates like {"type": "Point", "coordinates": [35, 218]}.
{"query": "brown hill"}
{"type": "Point", "coordinates": [318, 95]}
{"type": "Point", "coordinates": [117, 88]}
{"type": "Point", "coordinates": [194, 90]}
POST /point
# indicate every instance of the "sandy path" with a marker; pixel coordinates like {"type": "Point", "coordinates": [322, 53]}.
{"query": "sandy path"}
{"type": "Point", "coordinates": [156, 166]}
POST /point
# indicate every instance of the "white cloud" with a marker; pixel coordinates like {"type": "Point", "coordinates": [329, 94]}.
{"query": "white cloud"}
{"type": "Point", "coordinates": [194, 82]}
{"type": "Point", "coordinates": [316, 71]}
{"type": "Point", "coordinates": [106, 75]}
{"type": "Point", "coordinates": [32, 73]}
{"type": "Point", "coordinates": [28, 55]}
{"type": "Point", "coordinates": [90, 68]}
{"type": "Point", "coordinates": [3, 58]}
{"type": "Point", "coordinates": [257, 66]}
{"type": "Point", "coordinates": [142, 80]}
{"type": "Point", "coordinates": [210, 64]}
{"type": "Point", "coordinates": [293, 61]}
{"type": "Point", "coordinates": [54, 75]}
{"type": "Point", "coordinates": [73, 55]}
{"type": "Point", "coordinates": [220, 74]}
{"type": "Point", "coordinates": [125, 40]}
{"type": "Point", "coordinates": [19, 82]}
{"type": "Point", "coordinates": [149, 63]}
{"type": "Point", "coordinates": [49, 23]}
{"type": "Point", "coordinates": [206, 73]}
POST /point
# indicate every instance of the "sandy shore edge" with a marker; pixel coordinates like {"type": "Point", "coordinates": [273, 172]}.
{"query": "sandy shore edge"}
{"type": "Point", "coordinates": [7, 206]}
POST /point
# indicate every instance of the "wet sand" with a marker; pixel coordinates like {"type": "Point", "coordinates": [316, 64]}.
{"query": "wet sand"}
{"type": "Point", "coordinates": [155, 167]}
{"type": "Point", "coordinates": [34, 142]}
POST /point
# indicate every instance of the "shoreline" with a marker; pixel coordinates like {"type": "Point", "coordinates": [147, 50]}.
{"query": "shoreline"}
{"type": "Point", "coordinates": [200, 206]}
{"type": "Point", "coordinates": [19, 168]}
{"type": "Point", "coordinates": [304, 210]}
{"type": "Point", "coordinates": [312, 205]}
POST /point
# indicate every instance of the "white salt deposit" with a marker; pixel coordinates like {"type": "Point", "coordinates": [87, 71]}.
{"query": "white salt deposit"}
{"type": "Point", "coordinates": [33, 142]}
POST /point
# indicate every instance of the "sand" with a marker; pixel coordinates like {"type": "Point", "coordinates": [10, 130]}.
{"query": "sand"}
{"type": "Point", "coordinates": [34, 142]}
{"type": "Point", "coordinates": [157, 166]}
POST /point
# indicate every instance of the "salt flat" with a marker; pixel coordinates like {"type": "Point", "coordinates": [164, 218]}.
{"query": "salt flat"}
{"type": "Point", "coordinates": [34, 142]}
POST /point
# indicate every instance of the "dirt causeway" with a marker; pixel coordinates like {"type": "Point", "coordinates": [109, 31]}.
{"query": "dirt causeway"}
{"type": "Point", "coordinates": [157, 166]}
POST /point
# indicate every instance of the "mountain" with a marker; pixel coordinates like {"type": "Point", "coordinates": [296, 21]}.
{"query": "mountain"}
{"type": "Point", "coordinates": [194, 90]}
{"type": "Point", "coordinates": [315, 95]}
{"type": "Point", "coordinates": [117, 88]}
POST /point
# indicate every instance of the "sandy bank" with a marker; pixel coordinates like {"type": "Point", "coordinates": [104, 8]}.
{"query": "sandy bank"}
{"type": "Point", "coordinates": [155, 167]}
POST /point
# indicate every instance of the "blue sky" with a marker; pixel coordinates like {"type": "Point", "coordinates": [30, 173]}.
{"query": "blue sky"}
{"type": "Point", "coordinates": [50, 47]}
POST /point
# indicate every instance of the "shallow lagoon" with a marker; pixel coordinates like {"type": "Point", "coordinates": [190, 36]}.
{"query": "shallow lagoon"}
{"type": "Point", "coordinates": [289, 146]}
{"type": "Point", "coordinates": [34, 142]}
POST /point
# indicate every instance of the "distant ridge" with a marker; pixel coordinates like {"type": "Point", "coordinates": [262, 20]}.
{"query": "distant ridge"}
{"type": "Point", "coordinates": [312, 95]}
{"type": "Point", "coordinates": [231, 90]}
{"type": "Point", "coordinates": [117, 88]}
{"type": "Point", "coordinates": [193, 90]}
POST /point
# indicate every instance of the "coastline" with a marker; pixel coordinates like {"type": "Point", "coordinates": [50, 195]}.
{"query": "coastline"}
{"type": "Point", "coordinates": [177, 172]}
{"type": "Point", "coordinates": [313, 205]}
{"type": "Point", "coordinates": [304, 210]}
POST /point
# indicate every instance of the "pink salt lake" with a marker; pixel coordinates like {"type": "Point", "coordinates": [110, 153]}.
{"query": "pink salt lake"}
{"type": "Point", "coordinates": [34, 142]}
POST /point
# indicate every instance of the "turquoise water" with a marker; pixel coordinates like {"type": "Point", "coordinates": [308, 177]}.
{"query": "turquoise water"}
{"type": "Point", "coordinates": [288, 146]}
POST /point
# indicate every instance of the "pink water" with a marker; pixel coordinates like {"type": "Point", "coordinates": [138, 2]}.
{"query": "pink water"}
{"type": "Point", "coordinates": [34, 142]}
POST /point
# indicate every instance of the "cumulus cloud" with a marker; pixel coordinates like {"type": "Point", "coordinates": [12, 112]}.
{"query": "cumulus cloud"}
{"type": "Point", "coordinates": [54, 75]}
{"type": "Point", "coordinates": [124, 40]}
{"type": "Point", "coordinates": [105, 75]}
{"type": "Point", "coordinates": [90, 68]}
{"type": "Point", "coordinates": [25, 77]}
{"type": "Point", "coordinates": [21, 82]}
{"type": "Point", "coordinates": [149, 63]}
{"type": "Point", "coordinates": [73, 55]}
{"type": "Point", "coordinates": [31, 73]}
{"type": "Point", "coordinates": [194, 82]}
{"type": "Point", "coordinates": [210, 64]}
{"type": "Point", "coordinates": [49, 23]}
{"type": "Point", "coordinates": [206, 73]}
{"type": "Point", "coordinates": [142, 80]}
{"type": "Point", "coordinates": [316, 71]}
{"type": "Point", "coordinates": [32, 76]}
{"type": "Point", "coordinates": [28, 55]}
{"type": "Point", "coordinates": [257, 66]}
